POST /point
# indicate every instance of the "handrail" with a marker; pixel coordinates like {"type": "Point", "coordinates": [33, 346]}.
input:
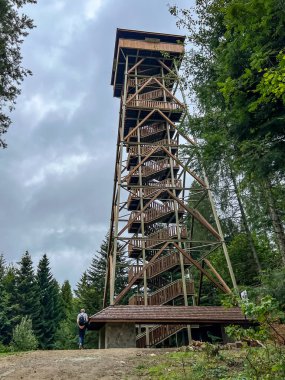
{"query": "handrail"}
{"type": "Point", "coordinates": [137, 103]}
{"type": "Point", "coordinates": [150, 167]}
{"type": "Point", "coordinates": [165, 294]}
{"type": "Point", "coordinates": [146, 148]}
{"type": "Point", "coordinates": [155, 211]}
{"type": "Point", "coordinates": [158, 93]}
{"type": "Point", "coordinates": [157, 334]}
{"type": "Point", "coordinates": [162, 234]}
{"type": "Point", "coordinates": [140, 82]}
{"type": "Point", "coordinates": [163, 264]}
{"type": "Point", "coordinates": [154, 187]}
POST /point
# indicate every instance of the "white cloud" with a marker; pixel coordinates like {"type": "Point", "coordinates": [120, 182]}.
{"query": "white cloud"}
{"type": "Point", "coordinates": [92, 9]}
{"type": "Point", "coordinates": [67, 165]}
{"type": "Point", "coordinates": [39, 106]}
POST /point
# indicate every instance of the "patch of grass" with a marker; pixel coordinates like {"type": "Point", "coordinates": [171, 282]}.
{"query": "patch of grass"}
{"type": "Point", "coordinates": [2, 354]}
{"type": "Point", "coordinates": [193, 365]}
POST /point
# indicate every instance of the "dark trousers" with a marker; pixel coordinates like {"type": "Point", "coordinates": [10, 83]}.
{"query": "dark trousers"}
{"type": "Point", "coordinates": [81, 336]}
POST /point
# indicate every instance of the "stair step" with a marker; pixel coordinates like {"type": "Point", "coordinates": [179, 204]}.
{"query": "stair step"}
{"type": "Point", "coordinates": [165, 294]}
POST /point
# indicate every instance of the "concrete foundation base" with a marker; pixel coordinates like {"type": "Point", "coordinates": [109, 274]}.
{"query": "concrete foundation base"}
{"type": "Point", "coordinates": [118, 335]}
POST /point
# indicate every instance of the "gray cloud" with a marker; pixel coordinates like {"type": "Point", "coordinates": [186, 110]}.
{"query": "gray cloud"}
{"type": "Point", "coordinates": [57, 173]}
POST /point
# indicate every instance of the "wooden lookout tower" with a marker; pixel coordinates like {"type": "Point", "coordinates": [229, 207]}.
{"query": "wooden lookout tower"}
{"type": "Point", "coordinates": [159, 183]}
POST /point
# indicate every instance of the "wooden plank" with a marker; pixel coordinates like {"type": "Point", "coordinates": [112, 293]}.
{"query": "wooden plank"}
{"type": "Point", "coordinates": [152, 46]}
{"type": "Point", "coordinates": [139, 124]}
{"type": "Point", "coordinates": [135, 66]}
{"type": "Point", "coordinates": [198, 266]}
{"type": "Point", "coordinates": [219, 277]}
{"type": "Point", "coordinates": [139, 212]}
{"type": "Point", "coordinates": [194, 175]}
{"type": "Point", "coordinates": [197, 216]}
{"type": "Point", "coordinates": [142, 161]}
{"type": "Point", "coordinates": [128, 287]}
{"type": "Point", "coordinates": [192, 142]}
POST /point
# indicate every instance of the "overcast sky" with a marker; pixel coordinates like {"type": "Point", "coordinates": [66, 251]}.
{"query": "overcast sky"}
{"type": "Point", "coordinates": [57, 173]}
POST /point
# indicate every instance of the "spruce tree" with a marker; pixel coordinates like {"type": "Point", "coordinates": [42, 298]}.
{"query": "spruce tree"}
{"type": "Point", "coordinates": [86, 295]}
{"type": "Point", "coordinates": [5, 322]}
{"type": "Point", "coordinates": [28, 294]}
{"type": "Point", "coordinates": [90, 289]}
{"type": "Point", "coordinates": [66, 334]}
{"type": "Point", "coordinates": [48, 305]}
{"type": "Point", "coordinates": [9, 282]}
{"type": "Point", "coordinates": [66, 300]}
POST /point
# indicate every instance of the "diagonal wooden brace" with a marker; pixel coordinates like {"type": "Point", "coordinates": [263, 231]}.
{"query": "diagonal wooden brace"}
{"type": "Point", "coordinates": [197, 216]}
{"type": "Point", "coordinates": [139, 124]}
{"type": "Point", "coordinates": [201, 269]}
{"type": "Point", "coordinates": [140, 274]}
{"type": "Point", "coordinates": [198, 179]}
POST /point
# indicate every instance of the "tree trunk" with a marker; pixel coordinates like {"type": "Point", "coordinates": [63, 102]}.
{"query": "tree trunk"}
{"type": "Point", "coordinates": [276, 220]}
{"type": "Point", "coordinates": [244, 222]}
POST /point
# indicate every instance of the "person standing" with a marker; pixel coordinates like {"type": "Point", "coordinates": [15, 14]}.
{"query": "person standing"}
{"type": "Point", "coordinates": [82, 321]}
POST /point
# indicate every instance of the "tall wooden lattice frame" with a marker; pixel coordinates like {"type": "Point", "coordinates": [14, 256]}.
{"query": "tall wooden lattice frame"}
{"type": "Point", "coordinates": [152, 183]}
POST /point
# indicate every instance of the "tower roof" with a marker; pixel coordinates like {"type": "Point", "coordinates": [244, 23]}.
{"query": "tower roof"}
{"type": "Point", "coordinates": [139, 44]}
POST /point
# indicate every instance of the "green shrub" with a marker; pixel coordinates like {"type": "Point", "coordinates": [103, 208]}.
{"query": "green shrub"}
{"type": "Point", "coordinates": [23, 336]}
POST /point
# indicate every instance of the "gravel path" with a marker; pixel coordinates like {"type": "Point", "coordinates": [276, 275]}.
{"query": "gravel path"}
{"type": "Point", "coordinates": [68, 365]}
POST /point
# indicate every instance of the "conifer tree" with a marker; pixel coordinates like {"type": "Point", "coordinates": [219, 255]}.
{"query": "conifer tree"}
{"type": "Point", "coordinates": [49, 302]}
{"type": "Point", "coordinates": [90, 289]}
{"type": "Point", "coordinates": [85, 294]}
{"type": "Point", "coordinates": [28, 291]}
{"type": "Point", "coordinates": [9, 282]}
{"type": "Point", "coordinates": [66, 300]}
{"type": "Point", "coordinates": [4, 315]}
{"type": "Point", "coordinates": [66, 334]}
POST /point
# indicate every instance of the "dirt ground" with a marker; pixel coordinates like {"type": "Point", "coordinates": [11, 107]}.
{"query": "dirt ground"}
{"type": "Point", "coordinates": [69, 365]}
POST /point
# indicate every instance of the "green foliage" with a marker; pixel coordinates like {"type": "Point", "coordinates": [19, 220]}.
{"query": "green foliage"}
{"type": "Point", "coordinates": [234, 74]}
{"type": "Point", "coordinates": [66, 300]}
{"type": "Point", "coordinates": [273, 284]}
{"type": "Point", "coordinates": [267, 362]}
{"type": "Point", "coordinates": [66, 336]}
{"type": "Point", "coordinates": [4, 304]}
{"type": "Point", "coordinates": [24, 338]}
{"type": "Point", "coordinates": [50, 311]}
{"type": "Point", "coordinates": [90, 289]}
{"type": "Point", "coordinates": [27, 291]}
{"type": "Point", "coordinates": [14, 27]}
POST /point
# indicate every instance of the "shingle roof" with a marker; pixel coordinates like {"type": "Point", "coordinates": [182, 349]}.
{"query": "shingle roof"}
{"type": "Point", "coordinates": [168, 315]}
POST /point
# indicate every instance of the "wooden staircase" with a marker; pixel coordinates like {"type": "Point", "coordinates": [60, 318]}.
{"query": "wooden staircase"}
{"type": "Point", "coordinates": [165, 294]}
{"type": "Point", "coordinates": [146, 149]}
{"type": "Point", "coordinates": [157, 172]}
{"type": "Point", "coordinates": [158, 334]}
{"type": "Point", "coordinates": [153, 169]}
{"type": "Point", "coordinates": [155, 239]}
{"type": "Point", "coordinates": [163, 264]}
{"type": "Point", "coordinates": [152, 132]}
{"type": "Point", "coordinates": [149, 192]}
{"type": "Point", "coordinates": [156, 213]}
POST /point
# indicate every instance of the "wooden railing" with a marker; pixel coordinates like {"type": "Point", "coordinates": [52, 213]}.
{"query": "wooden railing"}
{"type": "Point", "coordinates": [156, 186]}
{"type": "Point", "coordinates": [155, 211]}
{"type": "Point", "coordinates": [153, 188]}
{"type": "Point", "coordinates": [161, 265]}
{"type": "Point", "coordinates": [151, 167]}
{"type": "Point", "coordinates": [151, 94]}
{"type": "Point", "coordinates": [154, 104]}
{"type": "Point", "coordinates": [165, 294]}
{"type": "Point", "coordinates": [148, 130]}
{"type": "Point", "coordinates": [158, 334]}
{"type": "Point", "coordinates": [141, 81]}
{"type": "Point", "coordinates": [157, 237]}
{"type": "Point", "coordinates": [145, 149]}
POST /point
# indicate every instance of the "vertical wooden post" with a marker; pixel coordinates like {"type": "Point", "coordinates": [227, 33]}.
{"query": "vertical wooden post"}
{"type": "Point", "coordinates": [117, 205]}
